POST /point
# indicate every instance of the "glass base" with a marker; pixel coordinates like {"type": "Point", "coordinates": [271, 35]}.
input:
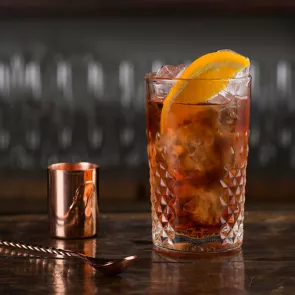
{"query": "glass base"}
{"type": "Point", "coordinates": [178, 254]}
{"type": "Point", "coordinates": [176, 241]}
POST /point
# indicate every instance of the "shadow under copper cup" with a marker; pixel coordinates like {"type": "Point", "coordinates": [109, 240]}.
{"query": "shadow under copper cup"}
{"type": "Point", "coordinates": [73, 199]}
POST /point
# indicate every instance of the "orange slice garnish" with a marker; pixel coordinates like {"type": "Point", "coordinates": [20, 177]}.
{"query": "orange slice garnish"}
{"type": "Point", "coordinates": [202, 79]}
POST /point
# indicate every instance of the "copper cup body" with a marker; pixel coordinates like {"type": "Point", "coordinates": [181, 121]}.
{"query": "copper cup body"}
{"type": "Point", "coordinates": [73, 200]}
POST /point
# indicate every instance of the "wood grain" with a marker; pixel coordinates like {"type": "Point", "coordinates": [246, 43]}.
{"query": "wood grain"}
{"type": "Point", "coordinates": [265, 266]}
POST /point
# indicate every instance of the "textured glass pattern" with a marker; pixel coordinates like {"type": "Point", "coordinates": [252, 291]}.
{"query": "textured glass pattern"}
{"type": "Point", "coordinates": [164, 203]}
{"type": "Point", "coordinates": [198, 174]}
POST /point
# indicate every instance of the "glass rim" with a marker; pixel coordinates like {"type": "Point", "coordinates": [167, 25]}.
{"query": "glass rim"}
{"type": "Point", "coordinates": [152, 76]}
{"type": "Point", "coordinates": [72, 167]}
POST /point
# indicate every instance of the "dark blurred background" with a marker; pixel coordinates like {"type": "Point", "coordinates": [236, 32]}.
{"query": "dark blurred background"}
{"type": "Point", "coordinates": [72, 89]}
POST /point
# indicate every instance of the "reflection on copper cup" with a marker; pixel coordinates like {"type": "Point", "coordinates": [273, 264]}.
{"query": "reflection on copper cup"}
{"type": "Point", "coordinates": [73, 199]}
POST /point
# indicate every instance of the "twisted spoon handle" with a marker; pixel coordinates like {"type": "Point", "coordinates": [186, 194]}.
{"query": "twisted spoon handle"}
{"type": "Point", "coordinates": [50, 250]}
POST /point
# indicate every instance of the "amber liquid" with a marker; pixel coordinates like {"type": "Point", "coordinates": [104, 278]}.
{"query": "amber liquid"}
{"type": "Point", "coordinates": [198, 175]}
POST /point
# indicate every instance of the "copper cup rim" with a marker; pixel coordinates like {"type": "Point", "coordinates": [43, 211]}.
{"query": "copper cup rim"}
{"type": "Point", "coordinates": [67, 167]}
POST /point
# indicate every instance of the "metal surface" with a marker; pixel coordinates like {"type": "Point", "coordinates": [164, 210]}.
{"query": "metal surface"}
{"type": "Point", "coordinates": [105, 266]}
{"type": "Point", "coordinates": [72, 200]}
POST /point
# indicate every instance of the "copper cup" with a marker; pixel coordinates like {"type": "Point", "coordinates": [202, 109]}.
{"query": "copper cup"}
{"type": "Point", "coordinates": [73, 200]}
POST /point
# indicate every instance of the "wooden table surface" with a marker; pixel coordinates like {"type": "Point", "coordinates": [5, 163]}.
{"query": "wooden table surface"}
{"type": "Point", "coordinates": [265, 266]}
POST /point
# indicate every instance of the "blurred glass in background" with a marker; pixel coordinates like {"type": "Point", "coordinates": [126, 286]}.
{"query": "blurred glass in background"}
{"type": "Point", "coordinates": [72, 89]}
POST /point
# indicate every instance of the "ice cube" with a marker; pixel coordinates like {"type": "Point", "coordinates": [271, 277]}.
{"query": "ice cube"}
{"type": "Point", "coordinates": [191, 144]}
{"type": "Point", "coordinates": [243, 73]}
{"type": "Point", "coordinates": [235, 88]}
{"type": "Point", "coordinates": [204, 207]}
{"type": "Point", "coordinates": [223, 97]}
{"type": "Point", "coordinates": [238, 88]}
{"type": "Point", "coordinates": [229, 115]}
{"type": "Point", "coordinates": [163, 87]}
{"type": "Point", "coordinates": [168, 71]}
